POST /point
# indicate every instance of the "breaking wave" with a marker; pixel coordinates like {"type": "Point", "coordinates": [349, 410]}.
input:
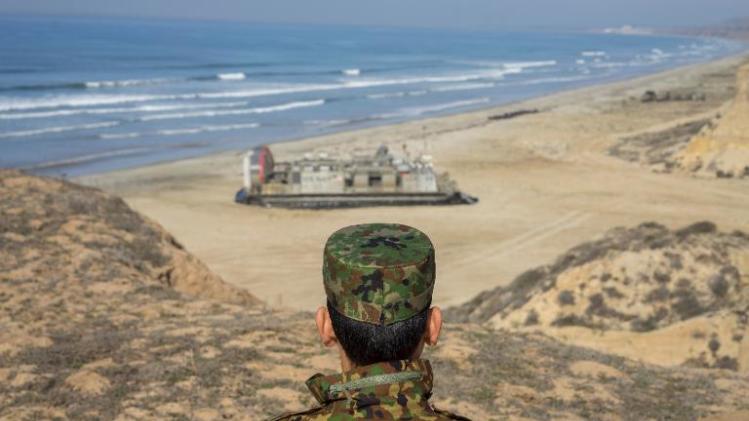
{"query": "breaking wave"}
{"type": "Point", "coordinates": [530, 64]}
{"type": "Point", "coordinates": [18, 104]}
{"type": "Point", "coordinates": [123, 83]}
{"type": "Point", "coordinates": [386, 95]}
{"type": "Point", "coordinates": [139, 109]}
{"type": "Point", "coordinates": [342, 123]}
{"type": "Point", "coordinates": [87, 85]}
{"type": "Point", "coordinates": [463, 87]}
{"type": "Point", "coordinates": [99, 100]}
{"type": "Point", "coordinates": [293, 89]}
{"type": "Point", "coordinates": [131, 135]}
{"type": "Point", "coordinates": [417, 111]}
{"type": "Point", "coordinates": [495, 74]}
{"type": "Point", "coordinates": [176, 132]}
{"type": "Point", "coordinates": [231, 76]}
{"type": "Point", "coordinates": [559, 79]}
{"type": "Point", "coordinates": [256, 110]}
{"type": "Point", "coordinates": [76, 101]}
{"type": "Point", "coordinates": [48, 130]}
{"type": "Point", "coordinates": [203, 129]}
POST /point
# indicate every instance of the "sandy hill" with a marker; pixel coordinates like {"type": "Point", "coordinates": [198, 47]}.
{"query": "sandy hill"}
{"type": "Point", "coordinates": [714, 145]}
{"type": "Point", "coordinates": [105, 316]}
{"type": "Point", "coordinates": [685, 291]}
{"type": "Point", "coordinates": [722, 147]}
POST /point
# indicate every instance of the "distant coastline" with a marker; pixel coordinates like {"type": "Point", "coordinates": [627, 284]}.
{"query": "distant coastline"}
{"type": "Point", "coordinates": [736, 29]}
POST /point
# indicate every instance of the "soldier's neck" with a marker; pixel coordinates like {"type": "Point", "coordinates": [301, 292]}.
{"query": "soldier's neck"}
{"type": "Point", "coordinates": [348, 365]}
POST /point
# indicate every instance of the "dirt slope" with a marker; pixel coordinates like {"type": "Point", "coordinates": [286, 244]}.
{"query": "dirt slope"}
{"type": "Point", "coordinates": [722, 148]}
{"type": "Point", "coordinates": [713, 145]}
{"type": "Point", "coordinates": [647, 284]}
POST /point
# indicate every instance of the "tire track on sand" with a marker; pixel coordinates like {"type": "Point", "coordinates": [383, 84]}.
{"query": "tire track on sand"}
{"type": "Point", "coordinates": [567, 221]}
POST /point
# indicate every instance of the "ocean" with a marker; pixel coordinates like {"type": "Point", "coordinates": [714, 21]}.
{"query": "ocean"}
{"type": "Point", "coordinates": [85, 95]}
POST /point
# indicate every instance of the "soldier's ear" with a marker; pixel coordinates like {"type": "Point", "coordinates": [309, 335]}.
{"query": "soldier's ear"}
{"type": "Point", "coordinates": [434, 326]}
{"type": "Point", "coordinates": [325, 327]}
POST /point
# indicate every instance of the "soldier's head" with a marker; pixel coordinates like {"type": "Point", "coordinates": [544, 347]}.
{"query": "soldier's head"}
{"type": "Point", "coordinates": [378, 279]}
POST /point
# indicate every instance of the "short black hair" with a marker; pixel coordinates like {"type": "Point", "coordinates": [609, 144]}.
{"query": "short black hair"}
{"type": "Point", "coordinates": [367, 343]}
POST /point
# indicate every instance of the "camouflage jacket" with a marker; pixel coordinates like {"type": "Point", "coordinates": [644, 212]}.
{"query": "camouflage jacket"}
{"type": "Point", "coordinates": [397, 390]}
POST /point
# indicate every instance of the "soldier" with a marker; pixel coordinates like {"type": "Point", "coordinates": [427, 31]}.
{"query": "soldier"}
{"type": "Point", "coordinates": [379, 280]}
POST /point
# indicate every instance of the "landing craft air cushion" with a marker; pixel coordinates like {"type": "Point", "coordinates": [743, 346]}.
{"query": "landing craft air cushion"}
{"type": "Point", "coordinates": [319, 182]}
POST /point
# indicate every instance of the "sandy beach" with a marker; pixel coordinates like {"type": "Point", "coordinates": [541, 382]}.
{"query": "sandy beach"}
{"type": "Point", "coordinates": [545, 181]}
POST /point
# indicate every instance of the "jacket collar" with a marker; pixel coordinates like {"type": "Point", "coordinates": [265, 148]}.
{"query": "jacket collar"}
{"type": "Point", "coordinates": [363, 386]}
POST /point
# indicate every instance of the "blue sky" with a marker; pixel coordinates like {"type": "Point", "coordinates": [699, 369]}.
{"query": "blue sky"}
{"type": "Point", "coordinates": [433, 13]}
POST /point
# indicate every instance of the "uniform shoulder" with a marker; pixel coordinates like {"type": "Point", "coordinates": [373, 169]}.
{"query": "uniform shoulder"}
{"type": "Point", "coordinates": [449, 415]}
{"type": "Point", "coordinates": [314, 414]}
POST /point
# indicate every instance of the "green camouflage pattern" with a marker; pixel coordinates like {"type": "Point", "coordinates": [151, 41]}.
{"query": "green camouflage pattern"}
{"type": "Point", "coordinates": [396, 390]}
{"type": "Point", "coordinates": [379, 273]}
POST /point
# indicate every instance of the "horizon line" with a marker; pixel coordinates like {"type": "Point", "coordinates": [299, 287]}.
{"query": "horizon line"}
{"type": "Point", "coordinates": [478, 28]}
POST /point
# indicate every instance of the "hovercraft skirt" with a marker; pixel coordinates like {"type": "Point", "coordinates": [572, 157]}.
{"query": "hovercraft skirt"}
{"type": "Point", "coordinates": [330, 201]}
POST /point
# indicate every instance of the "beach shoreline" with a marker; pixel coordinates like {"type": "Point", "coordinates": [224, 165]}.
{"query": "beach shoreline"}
{"type": "Point", "coordinates": [495, 107]}
{"type": "Point", "coordinates": [545, 181]}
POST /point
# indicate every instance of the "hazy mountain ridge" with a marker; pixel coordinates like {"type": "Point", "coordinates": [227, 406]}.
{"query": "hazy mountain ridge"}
{"type": "Point", "coordinates": [733, 29]}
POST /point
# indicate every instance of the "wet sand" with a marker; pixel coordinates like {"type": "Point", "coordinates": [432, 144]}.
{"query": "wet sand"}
{"type": "Point", "coordinates": [545, 181]}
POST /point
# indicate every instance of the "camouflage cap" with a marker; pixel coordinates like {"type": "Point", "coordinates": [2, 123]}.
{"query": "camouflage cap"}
{"type": "Point", "coordinates": [379, 273]}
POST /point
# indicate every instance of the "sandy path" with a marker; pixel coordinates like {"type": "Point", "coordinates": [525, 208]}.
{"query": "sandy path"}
{"type": "Point", "coordinates": [544, 181]}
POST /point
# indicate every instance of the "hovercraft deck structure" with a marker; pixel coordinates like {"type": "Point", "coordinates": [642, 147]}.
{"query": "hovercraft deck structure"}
{"type": "Point", "coordinates": [322, 182]}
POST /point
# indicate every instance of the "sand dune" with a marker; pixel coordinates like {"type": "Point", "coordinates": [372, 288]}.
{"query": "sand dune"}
{"type": "Point", "coordinates": [682, 296]}
{"type": "Point", "coordinates": [722, 148]}
{"type": "Point", "coordinates": [714, 144]}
